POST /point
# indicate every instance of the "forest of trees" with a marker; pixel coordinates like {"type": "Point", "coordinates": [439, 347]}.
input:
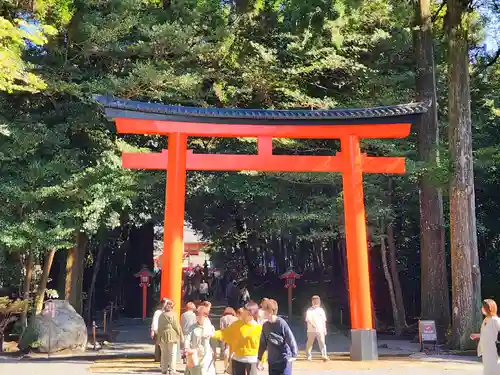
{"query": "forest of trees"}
{"type": "Point", "coordinates": [71, 217]}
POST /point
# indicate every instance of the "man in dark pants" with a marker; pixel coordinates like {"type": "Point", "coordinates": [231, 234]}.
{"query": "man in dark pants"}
{"type": "Point", "coordinates": [277, 338]}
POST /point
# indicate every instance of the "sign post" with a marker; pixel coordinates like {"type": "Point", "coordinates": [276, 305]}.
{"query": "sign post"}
{"type": "Point", "coordinates": [427, 333]}
{"type": "Point", "coordinates": [145, 276]}
{"type": "Point", "coordinates": [290, 276]}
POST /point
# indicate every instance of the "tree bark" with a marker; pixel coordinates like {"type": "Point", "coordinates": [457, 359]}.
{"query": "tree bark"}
{"type": "Point", "coordinates": [95, 272]}
{"type": "Point", "coordinates": [40, 293]}
{"type": "Point", "coordinates": [343, 252]}
{"type": "Point", "coordinates": [434, 280]}
{"type": "Point", "coordinates": [74, 272]}
{"type": "Point", "coordinates": [26, 286]}
{"type": "Point", "coordinates": [398, 291]}
{"type": "Point", "coordinates": [398, 325]}
{"type": "Point", "coordinates": [466, 278]}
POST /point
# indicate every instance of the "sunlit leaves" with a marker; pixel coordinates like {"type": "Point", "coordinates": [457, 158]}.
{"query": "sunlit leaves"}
{"type": "Point", "coordinates": [15, 37]}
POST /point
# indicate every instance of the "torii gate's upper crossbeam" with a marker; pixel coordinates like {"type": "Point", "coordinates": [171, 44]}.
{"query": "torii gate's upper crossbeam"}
{"type": "Point", "coordinates": [138, 126]}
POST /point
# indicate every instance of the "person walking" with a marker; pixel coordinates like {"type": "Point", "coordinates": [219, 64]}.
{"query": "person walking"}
{"type": "Point", "coordinates": [243, 338]}
{"type": "Point", "coordinates": [204, 290]}
{"type": "Point", "coordinates": [316, 328]}
{"type": "Point", "coordinates": [244, 295]}
{"type": "Point", "coordinates": [188, 318]}
{"type": "Point", "coordinates": [487, 348]}
{"type": "Point", "coordinates": [169, 336]}
{"type": "Point", "coordinates": [278, 339]}
{"type": "Point", "coordinates": [154, 327]}
{"type": "Point", "coordinates": [233, 293]}
{"type": "Point", "coordinates": [189, 291]}
{"type": "Point", "coordinates": [200, 358]}
{"type": "Point", "coordinates": [228, 318]}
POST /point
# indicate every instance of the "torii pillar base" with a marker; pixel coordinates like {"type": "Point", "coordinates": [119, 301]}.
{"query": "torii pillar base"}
{"type": "Point", "coordinates": [364, 345]}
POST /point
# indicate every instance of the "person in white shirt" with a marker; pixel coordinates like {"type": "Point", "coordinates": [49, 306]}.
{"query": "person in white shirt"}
{"type": "Point", "coordinates": [154, 327]}
{"type": "Point", "coordinates": [204, 290]}
{"type": "Point", "coordinates": [316, 328]}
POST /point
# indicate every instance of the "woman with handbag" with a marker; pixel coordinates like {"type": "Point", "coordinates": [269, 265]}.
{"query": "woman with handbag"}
{"type": "Point", "coordinates": [169, 335]}
{"type": "Point", "coordinates": [487, 346]}
{"type": "Point", "coordinates": [199, 354]}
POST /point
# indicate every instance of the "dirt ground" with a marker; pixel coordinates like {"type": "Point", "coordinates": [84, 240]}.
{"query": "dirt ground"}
{"type": "Point", "coordinates": [335, 364]}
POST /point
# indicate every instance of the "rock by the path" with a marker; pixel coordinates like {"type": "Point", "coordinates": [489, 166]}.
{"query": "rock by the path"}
{"type": "Point", "coordinates": [66, 330]}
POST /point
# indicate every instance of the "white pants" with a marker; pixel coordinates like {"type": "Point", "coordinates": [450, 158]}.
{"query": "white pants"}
{"type": "Point", "coordinates": [311, 337]}
{"type": "Point", "coordinates": [168, 356]}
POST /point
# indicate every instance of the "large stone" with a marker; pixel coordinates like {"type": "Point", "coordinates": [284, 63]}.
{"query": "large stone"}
{"type": "Point", "coordinates": [66, 330]}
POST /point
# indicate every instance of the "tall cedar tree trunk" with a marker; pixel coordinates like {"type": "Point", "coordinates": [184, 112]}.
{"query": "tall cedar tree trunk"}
{"type": "Point", "coordinates": [40, 292]}
{"type": "Point", "coordinates": [434, 280]}
{"type": "Point", "coordinates": [28, 275]}
{"type": "Point", "coordinates": [343, 250]}
{"type": "Point", "coordinates": [398, 325]}
{"type": "Point", "coordinates": [95, 272]}
{"type": "Point", "coordinates": [400, 319]}
{"type": "Point", "coordinates": [466, 279]}
{"type": "Point", "coordinates": [74, 272]}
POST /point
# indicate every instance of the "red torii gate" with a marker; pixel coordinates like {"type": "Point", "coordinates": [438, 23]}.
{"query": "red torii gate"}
{"type": "Point", "coordinates": [348, 125]}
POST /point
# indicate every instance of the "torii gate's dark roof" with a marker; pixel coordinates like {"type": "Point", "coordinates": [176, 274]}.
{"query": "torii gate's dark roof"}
{"type": "Point", "coordinates": [396, 114]}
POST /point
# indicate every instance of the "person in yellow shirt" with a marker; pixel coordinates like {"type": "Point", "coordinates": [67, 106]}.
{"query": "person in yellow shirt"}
{"type": "Point", "coordinates": [243, 338]}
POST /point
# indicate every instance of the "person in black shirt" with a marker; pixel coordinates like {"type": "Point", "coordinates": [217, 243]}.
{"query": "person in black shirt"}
{"type": "Point", "coordinates": [278, 339]}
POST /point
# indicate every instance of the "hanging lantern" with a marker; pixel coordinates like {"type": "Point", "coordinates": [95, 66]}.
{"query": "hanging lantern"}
{"type": "Point", "coordinates": [290, 283]}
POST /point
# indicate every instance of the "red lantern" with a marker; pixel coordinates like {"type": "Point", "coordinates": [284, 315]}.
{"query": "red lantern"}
{"type": "Point", "coordinates": [290, 276]}
{"type": "Point", "coordinates": [145, 277]}
{"type": "Point", "coordinates": [145, 280]}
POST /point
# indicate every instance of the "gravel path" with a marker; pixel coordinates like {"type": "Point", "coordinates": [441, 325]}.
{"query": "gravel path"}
{"type": "Point", "coordinates": [21, 367]}
{"type": "Point", "coordinates": [301, 367]}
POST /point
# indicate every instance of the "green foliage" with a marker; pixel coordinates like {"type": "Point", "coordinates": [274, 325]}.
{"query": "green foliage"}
{"type": "Point", "coordinates": [10, 270]}
{"type": "Point", "coordinates": [29, 339]}
{"type": "Point", "coordinates": [15, 37]}
{"type": "Point", "coordinates": [10, 311]}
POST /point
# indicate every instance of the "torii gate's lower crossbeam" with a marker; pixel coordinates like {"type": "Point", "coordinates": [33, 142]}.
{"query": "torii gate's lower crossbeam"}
{"type": "Point", "coordinates": [347, 125]}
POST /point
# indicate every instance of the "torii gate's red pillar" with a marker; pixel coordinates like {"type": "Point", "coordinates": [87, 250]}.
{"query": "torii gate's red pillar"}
{"type": "Point", "coordinates": [173, 232]}
{"type": "Point", "coordinates": [363, 335]}
{"type": "Point", "coordinates": [355, 232]}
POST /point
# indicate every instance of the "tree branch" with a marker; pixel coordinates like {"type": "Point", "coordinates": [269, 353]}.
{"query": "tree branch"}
{"type": "Point", "coordinates": [493, 60]}
{"type": "Point", "coordinates": [436, 15]}
{"type": "Point", "coordinates": [490, 63]}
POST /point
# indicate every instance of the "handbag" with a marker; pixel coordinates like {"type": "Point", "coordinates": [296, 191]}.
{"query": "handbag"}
{"type": "Point", "coordinates": [192, 359]}
{"type": "Point", "coordinates": [275, 339]}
